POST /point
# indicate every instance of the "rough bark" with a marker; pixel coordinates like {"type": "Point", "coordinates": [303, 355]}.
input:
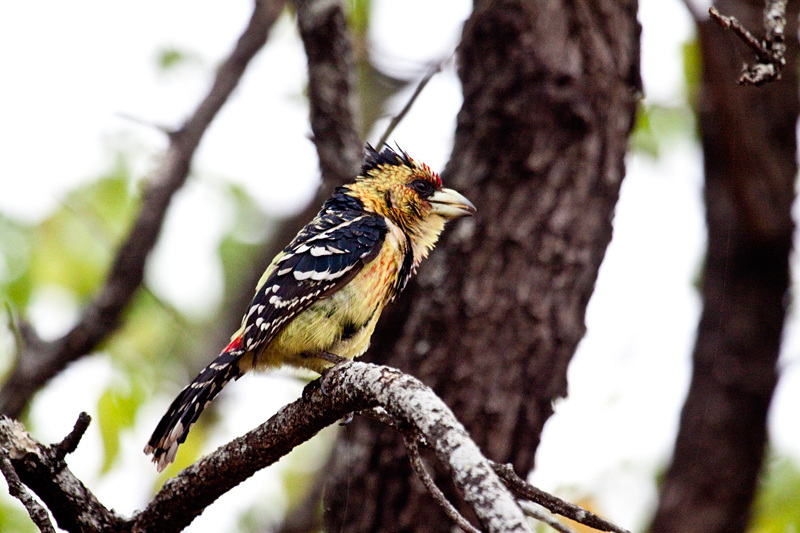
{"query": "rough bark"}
{"type": "Point", "coordinates": [749, 145]}
{"type": "Point", "coordinates": [496, 313]}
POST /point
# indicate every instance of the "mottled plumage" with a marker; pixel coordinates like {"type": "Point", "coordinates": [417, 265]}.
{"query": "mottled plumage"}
{"type": "Point", "coordinates": [325, 291]}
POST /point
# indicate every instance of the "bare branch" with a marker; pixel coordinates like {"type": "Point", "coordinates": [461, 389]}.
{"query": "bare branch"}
{"type": "Point", "coordinates": [43, 470]}
{"type": "Point", "coordinates": [40, 362]}
{"type": "Point", "coordinates": [406, 108]}
{"type": "Point", "coordinates": [351, 386]}
{"type": "Point", "coordinates": [416, 463]}
{"type": "Point", "coordinates": [534, 512]}
{"type": "Point", "coordinates": [770, 52]}
{"type": "Point", "coordinates": [16, 489]}
{"type": "Point", "coordinates": [552, 503]}
{"type": "Point", "coordinates": [70, 443]}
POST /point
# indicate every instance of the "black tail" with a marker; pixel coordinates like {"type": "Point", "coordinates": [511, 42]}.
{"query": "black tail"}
{"type": "Point", "coordinates": [186, 408]}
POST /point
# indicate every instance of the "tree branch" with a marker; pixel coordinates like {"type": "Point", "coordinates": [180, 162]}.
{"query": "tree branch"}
{"type": "Point", "coordinates": [552, 503]}
{"type": "Point", "coordinates": [352, 386]}
{"type": "Point", "coordinates": [537, 514]}
{"type": "Point", "coordinates": [17, 490]}
{"type": "Point", "coordinates": [416, 463]}
{"type": "Point", "coordinates": [770, 52]}
{"type": "Point", "coordinates": [40, 361]}
{"type": "Point", "coordinates": [44, 471]}
{"type": "Point", "coordinates": [397, 399]}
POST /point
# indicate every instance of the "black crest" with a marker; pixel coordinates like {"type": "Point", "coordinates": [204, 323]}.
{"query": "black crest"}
{"type": "Point", "coordinates": [387, 156]}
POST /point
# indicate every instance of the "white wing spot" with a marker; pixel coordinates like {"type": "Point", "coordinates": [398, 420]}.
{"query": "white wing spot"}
{"type": "Point", "coordinates": [318, 251]}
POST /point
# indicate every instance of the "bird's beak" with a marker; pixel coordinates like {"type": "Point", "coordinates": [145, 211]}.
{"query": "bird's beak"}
{"type": "Point", "coordinates": [448, 203]}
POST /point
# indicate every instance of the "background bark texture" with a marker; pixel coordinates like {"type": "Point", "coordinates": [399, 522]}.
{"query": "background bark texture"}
{"type": "Point", "coordinates": [749, 143]}
{"type": "Point", "coordinates": [496, 313]}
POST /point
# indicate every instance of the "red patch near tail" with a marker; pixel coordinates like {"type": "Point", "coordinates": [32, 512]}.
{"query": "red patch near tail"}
{"type": "Point", "coordinates": [235, 344]}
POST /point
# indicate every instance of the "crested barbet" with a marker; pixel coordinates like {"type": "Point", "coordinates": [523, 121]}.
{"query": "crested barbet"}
{"type": "Point", "coordinates": [323, 294]}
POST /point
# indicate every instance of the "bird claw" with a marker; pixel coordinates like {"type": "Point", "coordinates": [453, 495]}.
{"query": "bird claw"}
{"type": "Point", "coordinates": [308, 390]}
{"type": "Point", "coordinates": [346, 419]}
{"type": "Point", "coordinates": [322, 379]}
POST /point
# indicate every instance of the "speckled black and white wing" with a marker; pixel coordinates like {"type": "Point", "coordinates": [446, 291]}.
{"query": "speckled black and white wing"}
{"type": "Point", "coordinates": [322, 258]}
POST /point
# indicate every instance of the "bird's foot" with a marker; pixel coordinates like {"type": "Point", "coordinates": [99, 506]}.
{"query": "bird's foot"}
{"type": "Point", "coordinates": [346, 419]}
{"type": "Point", "coordinates": [328, 357]}
{"type": "Point", "coordinates": [332, 358]}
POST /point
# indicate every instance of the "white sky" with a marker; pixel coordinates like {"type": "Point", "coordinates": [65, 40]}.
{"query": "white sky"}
{"type": "Point", "coordinates": [70, 70]}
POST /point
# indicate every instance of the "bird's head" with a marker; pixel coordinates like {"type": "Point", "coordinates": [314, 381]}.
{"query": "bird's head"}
{"type": "Point", "coordinates": [406, 192]}
{"type": "Point", "coordinates": [410, 195]}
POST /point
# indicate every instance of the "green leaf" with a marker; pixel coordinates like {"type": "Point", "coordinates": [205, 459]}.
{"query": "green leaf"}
{"type": "Point", "coordinates": [116, 411]}
{"type": "Point", "coordinates": [692, 70]}
{"type": "Point", "coordinates": [171, 57]}
{"type": "Point", "coordinates": [657, 127]}
{"type": "Point", "coordinates": [74, 246]}
{"type": "Point", "coordinates": [13, 517]}
{"type": "Point", "coordinates": [358, 15]}
{"type": "Point", "coordinates": [776, 508]}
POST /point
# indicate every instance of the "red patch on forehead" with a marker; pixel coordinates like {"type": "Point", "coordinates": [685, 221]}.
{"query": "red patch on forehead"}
{"type": "Point", "coordinates": [434, 177]}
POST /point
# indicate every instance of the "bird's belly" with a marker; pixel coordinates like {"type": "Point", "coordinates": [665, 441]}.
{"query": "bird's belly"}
{"type": "Point", "coordinates": [341, 323]}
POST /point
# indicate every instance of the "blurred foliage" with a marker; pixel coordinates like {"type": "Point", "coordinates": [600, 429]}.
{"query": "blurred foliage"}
{"type": "Point", "coordinates": [169, 59]}
{"type": "Point", "coordinates": [358, 15]}
{"type": "Point", "coordinates": [116, 410]}
{"type": "Point", "coordinates": [777, 508]}
{"type": "Point", "coordinates": [71, 248]}
{"type": "Point", "coordinates": [692, 71]}
{"type": "Point", "coordinates": [657, 127]}
{"type": "Point", "coordinates": [13, 518]}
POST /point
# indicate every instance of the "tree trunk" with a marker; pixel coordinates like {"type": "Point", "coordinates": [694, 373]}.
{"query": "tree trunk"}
{"type": "Point", "coordinates": [749, 144]}
{"type": "Point", "coordinates": [497, 311]}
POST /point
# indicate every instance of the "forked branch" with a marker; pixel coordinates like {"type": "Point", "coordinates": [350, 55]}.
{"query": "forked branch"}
{"type": "Point", "coordinates": [770, 52]}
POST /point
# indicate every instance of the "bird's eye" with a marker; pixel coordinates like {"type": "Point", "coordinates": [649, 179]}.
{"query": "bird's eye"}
{"type": "Point", "coordinates": [422, 187]}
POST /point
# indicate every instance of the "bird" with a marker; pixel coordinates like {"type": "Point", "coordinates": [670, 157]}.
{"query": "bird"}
{"type": "Point", "coordinates": [320, 298]}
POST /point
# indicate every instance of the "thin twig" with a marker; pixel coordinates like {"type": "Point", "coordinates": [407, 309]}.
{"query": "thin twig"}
{"type": "Point", "coordinates": [412, 450]}
{"type": "Point", "coordinates": [769, 52]}
{"type": "Point", "coordinates": [380, 414]}
{"type": "Point", "coordinates": [14, 326]}
{"type": "Point", "coordinates": [16, 489]}
{"type": "Point", "coordinates": [552, 503]}
{"type": "Point", "coordinates": [534, 512]}
{"type": "Point", "coordinates": [166, 130]}
{"type": "Point", "coordinates": [733, 24]}
{"type": "Point", "coordinates": [406, 108]}
{"type": "Point", "coordinates": [70, 443]}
